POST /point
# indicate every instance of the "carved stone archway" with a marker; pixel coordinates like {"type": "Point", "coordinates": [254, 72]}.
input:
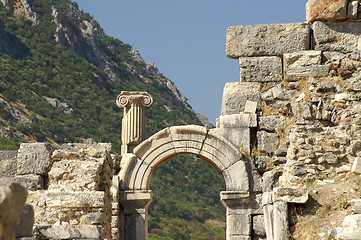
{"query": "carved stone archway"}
{"type": "Point", "coordinates": [137, 168]}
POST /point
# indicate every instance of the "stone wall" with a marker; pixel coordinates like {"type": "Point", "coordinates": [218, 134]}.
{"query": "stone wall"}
{"type": "Point", "coordinates": [68, 189]}
{"type": "Point", "coordinates": [296, 110]}
{"type": "Point", "coordinates": [305, 79]}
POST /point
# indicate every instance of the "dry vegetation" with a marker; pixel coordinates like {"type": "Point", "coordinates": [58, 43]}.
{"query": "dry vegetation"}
{"type": "Point", "coordinates": [326, 208]}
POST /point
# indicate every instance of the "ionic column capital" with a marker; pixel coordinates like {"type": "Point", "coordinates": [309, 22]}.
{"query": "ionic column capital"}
{"type": "Point", "coordinates": [128, 98]}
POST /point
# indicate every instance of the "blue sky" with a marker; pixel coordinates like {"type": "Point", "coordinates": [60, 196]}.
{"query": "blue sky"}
{"type": "Point", "coordinates": [186, 39]}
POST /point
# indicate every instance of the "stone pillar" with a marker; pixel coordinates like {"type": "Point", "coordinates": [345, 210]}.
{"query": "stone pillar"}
{"type": "Point", "coordinates": [280, 220]}
{"type": "Point", "coordinates": [133, 220]}
{"type": "Point", "coordinates": [115, 208]}
{"type": "Point", "coordinates": [275, 209]}
{"type": "Point", "coordinates": [134, 121]}
{"type": "Point", "coordinates": [238, 219]}
{"type": "Point", "coordinates": [267, 203]}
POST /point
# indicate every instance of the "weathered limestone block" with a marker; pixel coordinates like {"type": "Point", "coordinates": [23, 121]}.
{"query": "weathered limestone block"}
{"type": "Point", "coordinates": [272, 123]}
{"type": "Point", "coordinates": [350, 229]}
{"type": "Point", "coordinates": [298, 65]}
{"type": "Point", "coordinates": [12, 199]}
{"type": "Point", "coordinates": [8, 154]}
{"type": "Point", "coordinates": [236, 94]}
{"type": "Point", "coordinates": [74, 175]}
{"type": "Point", "coordinates": [30, 181]}
{"type": "Point", "coordinates": [337, 36]}
{"type": "Point", "coordinates": [8, 163]}
{"type": "Point", "coordinates": [356, 206]}
{"type": "Point", "coordinates": [7, 167]}
{"type": "Point", "coordinates": [259, 226]}
{"type": "Point", "coordinates": [267, 142]}
{"type": "Point", "coordinates": [268, 181]}
{"type": "Point", "coordinates": [326, 10]}
{"type": "Point", "coordinates": [72, 199]}
{"type": "Point", "coordinates": [261, 69]}
{"type": "Point", "coordinates": [293, 195]}
{"type": "Point", "coordinates": [24, 227]}
{"type": "Point", "coordinates": [267, 40]}
{"type": "Point", "coordinates": [356, 166]}
{"type": "Point", "coordinates": [56, 207]}
{"type": "Point", "coordinates": [236, 129]}
{"type": "Point", "coordinates": [81, 151]}
{"type": "Point", "coordinates": [238, 224]}
{"type": "Point", "coordinates": [72, 232]}
{"type": "Point", "coordinates": [236, 179]}
{"type": "Point", "coordinates": [97, 150]}
{"type": "Point", "coordinates": [319, 71]}
{"type": "Point", "coordinates": [34, 158]}
{"type": "Point", "coordinates": [239, 121]}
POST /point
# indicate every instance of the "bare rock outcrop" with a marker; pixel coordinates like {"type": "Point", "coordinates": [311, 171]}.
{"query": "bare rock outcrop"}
{"type": "Point", "coordinates": [21, 8]}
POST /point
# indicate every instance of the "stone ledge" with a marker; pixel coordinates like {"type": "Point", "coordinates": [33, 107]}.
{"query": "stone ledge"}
{"type": "Point", "coordinates": [291, 195]}
{"type": "Point", "coordinates": [94, 199]}
{"type": "Point", "coordinates": [71, 232]}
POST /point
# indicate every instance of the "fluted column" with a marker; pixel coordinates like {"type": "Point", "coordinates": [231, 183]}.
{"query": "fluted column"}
{"type": "Point", "coordinates": [134, 121]}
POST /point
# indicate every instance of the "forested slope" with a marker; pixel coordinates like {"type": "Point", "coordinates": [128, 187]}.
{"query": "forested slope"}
{"type": "Point", "coordinates": [59, 78]}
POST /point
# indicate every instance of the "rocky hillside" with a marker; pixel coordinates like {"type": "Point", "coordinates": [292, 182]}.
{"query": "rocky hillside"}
{"type": "Point", "coordinates": [60, 75]}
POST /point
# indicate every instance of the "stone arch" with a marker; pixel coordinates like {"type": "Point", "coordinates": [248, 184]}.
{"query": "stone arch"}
{"type": "Point", "coordinates": [196, 140]}
{"type": "Point", "coordinates": [137, 168]}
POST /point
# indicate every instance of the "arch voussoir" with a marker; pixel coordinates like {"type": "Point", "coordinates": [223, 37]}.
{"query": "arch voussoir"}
{"type": "Point", "coordinates": [222, 153]}
{"type": "Point", "coordinates": [236, 177]}
{"type": "Point", "coordinates": [188, 139]}
{"type": "Point", "coordinates": [156, 148]}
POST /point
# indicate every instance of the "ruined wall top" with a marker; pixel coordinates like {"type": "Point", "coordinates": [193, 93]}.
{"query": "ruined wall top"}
{"type": "Point", "coordinates": [332, 10]}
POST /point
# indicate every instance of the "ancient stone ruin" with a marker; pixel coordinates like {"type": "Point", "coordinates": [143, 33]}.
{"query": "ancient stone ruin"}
{"type": "Point", "coordinates": [294, 117]}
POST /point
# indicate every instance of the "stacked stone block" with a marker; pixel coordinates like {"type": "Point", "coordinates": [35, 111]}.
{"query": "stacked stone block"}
{"type": "Point", "coordinates": [68, 190]}
{"type": "Point", "coordinates": [28, 166]}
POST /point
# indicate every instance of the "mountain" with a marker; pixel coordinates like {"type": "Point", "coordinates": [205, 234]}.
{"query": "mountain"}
{"type": "Point", "coordinates": [60, 75]}
{"type": "Point", "coordinates": [59, 78]}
